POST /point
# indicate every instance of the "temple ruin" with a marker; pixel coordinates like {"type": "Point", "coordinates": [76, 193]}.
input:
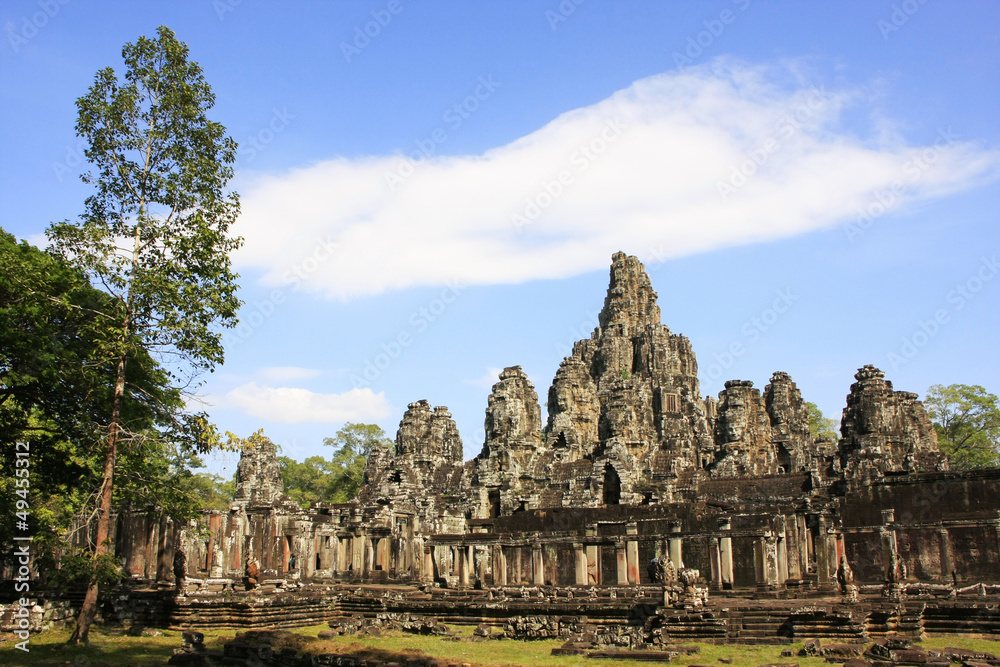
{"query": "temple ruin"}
{"type": "Point", "coordinates": [637, 503]}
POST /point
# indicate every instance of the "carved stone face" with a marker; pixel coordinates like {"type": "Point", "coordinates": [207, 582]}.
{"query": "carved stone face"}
{"type": "Point", "coordinates": [733, 420]}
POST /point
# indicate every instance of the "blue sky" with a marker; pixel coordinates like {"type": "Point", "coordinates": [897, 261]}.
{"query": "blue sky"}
{"type": "Point", "coordinates": [812, 187]}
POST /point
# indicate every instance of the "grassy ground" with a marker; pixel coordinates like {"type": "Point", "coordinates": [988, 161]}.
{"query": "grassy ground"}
{"type": "Point", "coordinates": [113, 649]}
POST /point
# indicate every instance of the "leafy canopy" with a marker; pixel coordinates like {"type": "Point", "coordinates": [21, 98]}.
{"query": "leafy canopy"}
{"type": "Point", "coordinates": [820, 426]}
{"type": "Point", "coordinates": [155, 233]}
{"type": "Point", "coordinates": [339, 479]}
{"type": "Point", "coordinates": [967, 420]}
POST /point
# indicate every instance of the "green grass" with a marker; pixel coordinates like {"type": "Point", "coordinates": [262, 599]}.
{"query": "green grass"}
{"type": "Point", "coordinates": [114, 649]}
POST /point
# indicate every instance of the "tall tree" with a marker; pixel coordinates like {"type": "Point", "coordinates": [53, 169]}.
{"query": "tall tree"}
{"type": "Point", "coordinates": [821, 427]}
{"type": "Point", "coordinates": [155, 234]}
{"type": "Point", "coordinates": [967, 420]}
{"type": "Point", "coordinates": [353, 442]}
{"type": "Point", "coordinates": [310, 481]}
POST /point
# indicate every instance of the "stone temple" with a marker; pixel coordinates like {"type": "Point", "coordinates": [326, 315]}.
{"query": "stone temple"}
{"type": "Point", "coordinates": [636, 507]}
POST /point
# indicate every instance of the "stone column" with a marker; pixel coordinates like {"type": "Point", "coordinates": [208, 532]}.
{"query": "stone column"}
{"type": "Point", "coordinates": [805, 544]}
{"type": "Point", "coordinates": [793, 545]}
{"type": "Point", "coordinates": [944, 544]}
{"type": "Point", "coordinates": [369, 555]}
{"type": "Point", "coordinates": [822, 553]}
{"type": "Point", "coordinates": [428, 564]}
{"type": "Point", "coordinates": [593, 557]}
{"type": "Point", "coordinates": [499, 566]}
{"type": "Point", "coordinates": [463, 566]}
{"type": "Point", "coordinates": [760, 562]}
{"type": "Point", "coordinates": [726, 553]}
{"type": "Point", "coordinates": [715, 561]}
{"type": "Point", "coordinates": [772, 567]}
{"type": "Point", "coordinates": [581, 564]}
{"type": "Point", "coordinates": [632, 552]}
{"type": "Point", "coordinates": [622, 563]}
{"type": "Point", "coordinates": [381, 554]}
{"type": "Point", "coordinates": [890, 552]}
{"type": "Point", "coordinates": [518, 564]}
{"type": "Point", "coordinates": [357, 553]}
{"type": "Point", "coordinates": [676, 546]}
{"type": "Point", "coordinates": [782, 555]}
{"type": "Point", "coordinates": [537, 565]}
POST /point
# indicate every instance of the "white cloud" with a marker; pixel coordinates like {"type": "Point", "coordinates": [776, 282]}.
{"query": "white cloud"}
{"type": "Point", "coordinates": [291, 405]}
{"type": "Point", "coordinates": [487, 381]}
{"type": "Point", "coordinates": [667, 145]}
{"type": "Point", "coordinates": [288, 373]}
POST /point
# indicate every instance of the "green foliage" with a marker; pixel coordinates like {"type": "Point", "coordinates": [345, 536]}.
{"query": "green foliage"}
{"type": "Point", "coordinates": [56, 392]}
{"type": "Point", "coordinates": [155, 234]}
{"type": "Point", "coordinates": [213, 492]}
{"type": "Point", "coordinates": [353, 443]}
{"type": "Point", "coordinates": [310, 481]}
{"type": "Point", "coordinates": [967, 420]}
{"type": "Point", "coordinates": [158, 473]}
{"type": "Point", "coordinates": [336, 480]}
{"type": "Point", "coordinates": [821, 427]}
{"type": "Point", "coordinates": [78, 569]}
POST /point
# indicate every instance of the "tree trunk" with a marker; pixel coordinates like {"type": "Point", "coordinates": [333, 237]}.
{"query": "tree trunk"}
{"type": "Point", "coordinates": [81, 635]}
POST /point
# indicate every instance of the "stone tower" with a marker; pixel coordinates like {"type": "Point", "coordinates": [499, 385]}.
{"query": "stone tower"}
{"type": "Point", "coordinates": [625, 412]}
{"type": "Point", "coordinates": [886, 431]}
{"type": "Point", "coordinates": [258, 475]}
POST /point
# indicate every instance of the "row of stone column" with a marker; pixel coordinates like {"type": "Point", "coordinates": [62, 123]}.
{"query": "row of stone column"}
{"type": "Point", "coordinates": [586, 561]}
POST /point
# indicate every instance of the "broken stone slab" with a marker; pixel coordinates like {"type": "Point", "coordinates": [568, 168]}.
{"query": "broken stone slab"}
{"type": "Point", "coordinates": [812, 647]}
{"type": "Point", "coordinates": [193, 637]}
{"type": "Point", "coordinates": [841, 652]}
{"type": "Point", "coordinates": [639, 656]}
{"type": "Point", "coordinates": [965, 655]}
{"type": "Point", "coordinates": [245, 650]}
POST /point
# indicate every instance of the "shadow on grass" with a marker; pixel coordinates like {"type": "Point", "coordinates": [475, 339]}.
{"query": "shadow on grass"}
{"type": "Point", "coordinates": [110, 648]}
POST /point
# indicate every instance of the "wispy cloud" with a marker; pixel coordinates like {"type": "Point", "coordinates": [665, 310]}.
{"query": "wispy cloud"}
{"type": "Point", "coordinates": [292, 405]}
{"type": "Point", "coordinates": [638, 171]}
